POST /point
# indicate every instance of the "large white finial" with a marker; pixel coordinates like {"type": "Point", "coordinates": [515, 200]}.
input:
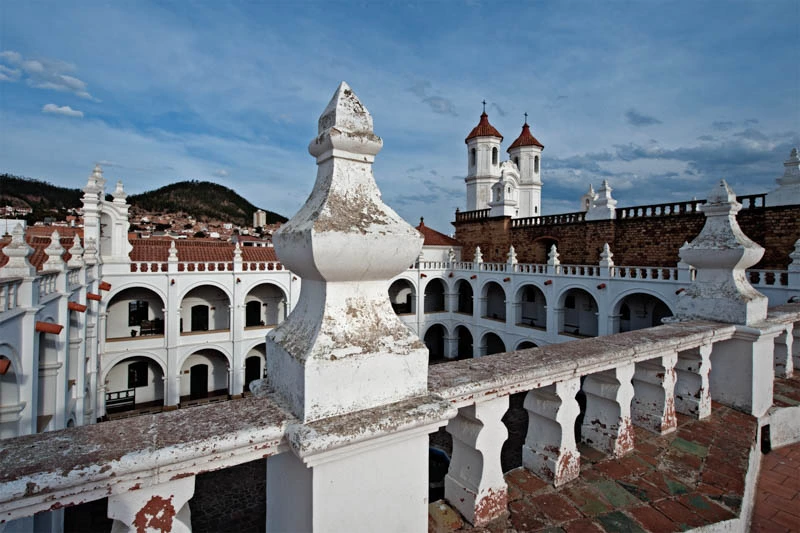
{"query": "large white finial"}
{"type": "Point", "coordinates": [343, 324]}
{"type": "Point", "coordinates": [552, 256]}
{"type": "Point", "coordinates": [17, 252]}
{"type": "Point", "coordinates": [604, 206]}
{"type": "Point", "coordinates": [173, 253]}
{"type": "Point", "coordinates": [119, 193]}
{"type": "Point", "coordinates": [511, 257]}
{"type": "Point", "coordinates": [720, 255]}
{"type": "Point", "coordinates": [788, 191]}
{"type": "Point", "coordinates": [75, 253]}
{"type": "Point", "coordinates": [478, 258]}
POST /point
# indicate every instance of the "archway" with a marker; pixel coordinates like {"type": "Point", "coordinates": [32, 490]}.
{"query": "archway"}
{"type": "Point", "coordinates": [265, 305]}
{"type": "Point", "coordinates": [204, 376]}
{"type": "Point", "coordinates": [134, 383]}
{"type": "Point", "coordinates": [464, 349]}
{"type": "Point", "coordinates": [639, 311]}
{"type": "Point", "coordinates": [49, 370]}
{"type": "Point", "coordinates": [434, 340]}
{"type": "Point", "coordinates": [532, 307]}
{"type": "Point", "coordinates": [492, 344]}
{"type": "Point", "coordinates": [494, 302]}
{"type": "Point", "coordinates": [465, 299]}
{"type": "Point", "coordinates": [205, 308]}
{"type": "Point", "coordinates": [434, 296]}
{"type": "Point", "coordinates": [9, 399]}
{"type": "Point", "coordinates": [579, 314]}
{"type": "Point", "coordinates": [254, 365]}
{"type": "Point", "coordinates": [402, 297]}
{"type": "Point", "coordinates": [526, 344]}
{"type": "Point", "coordinates": [134, 312]}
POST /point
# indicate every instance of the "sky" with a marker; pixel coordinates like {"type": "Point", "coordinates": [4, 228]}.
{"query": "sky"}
{"type": "Point", "coordinates": [662, 99]}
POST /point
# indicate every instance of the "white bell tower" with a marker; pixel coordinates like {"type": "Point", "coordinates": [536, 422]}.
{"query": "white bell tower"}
{"type": "Point", "coordinates": [483, 162]}
{"type": "Point", "coordinates": [526, 153]}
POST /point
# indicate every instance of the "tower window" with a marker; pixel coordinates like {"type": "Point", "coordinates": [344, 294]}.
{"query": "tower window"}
{"type": "Point", "coordinates": [494, 156]}
{"type": "Point", "coordinates": [516, 161]}
{"type": "Point", "coordinates": [536, 164]}
{"type": "Point", "coordinates": [472, 157]}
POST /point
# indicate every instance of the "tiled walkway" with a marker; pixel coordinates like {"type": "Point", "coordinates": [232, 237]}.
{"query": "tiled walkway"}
{"type": "Point", "coordinates": [778, 493]}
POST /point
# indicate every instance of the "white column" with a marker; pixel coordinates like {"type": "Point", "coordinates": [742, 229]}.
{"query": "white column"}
{"type": "Point", "coordinates": [474, 484]}
{"type": "Point", "coordinates": [607, 421]}
{"type": "Point", "coordinates": [162, 507]}
{"type": "Point", "coordinates": [653, 405]}
{"type": "Point", "coordinates": [784, 364]}
{"type": "Point", "coordinates": [550, 450]}
{"type": "Point", "coordinates": [692, 394]}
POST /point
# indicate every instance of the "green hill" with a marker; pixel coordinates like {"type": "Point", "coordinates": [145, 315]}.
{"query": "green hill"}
{"type": "Point", "coordinates": [201, 199]}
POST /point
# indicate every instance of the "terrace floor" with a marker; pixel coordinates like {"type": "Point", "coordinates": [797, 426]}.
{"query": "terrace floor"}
{"type": "Point", "coordinates": [692, 477]}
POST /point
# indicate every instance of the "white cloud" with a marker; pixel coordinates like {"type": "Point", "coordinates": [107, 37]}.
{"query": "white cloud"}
{"type": "Point", "coordinates": [221, 173]}
{"type": "Point", "coordinates": [43, 74]}
{"type": "Point", "coordinates": [65, 110]}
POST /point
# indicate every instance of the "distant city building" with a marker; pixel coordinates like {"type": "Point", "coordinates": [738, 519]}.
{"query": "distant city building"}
{"type": "Point", "coordinates": [259, 219]}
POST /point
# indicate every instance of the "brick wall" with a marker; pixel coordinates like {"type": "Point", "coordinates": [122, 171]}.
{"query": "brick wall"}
{"type": "Point", "coordinates": [652, 241]}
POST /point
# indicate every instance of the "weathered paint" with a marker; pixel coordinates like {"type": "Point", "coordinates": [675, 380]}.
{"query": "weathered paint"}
{"type": "Point", "coordinates": [157, 514]}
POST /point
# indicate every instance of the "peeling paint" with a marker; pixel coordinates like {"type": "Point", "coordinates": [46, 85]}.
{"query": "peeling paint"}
{"type": "Point", "coordinates": [157, 514]}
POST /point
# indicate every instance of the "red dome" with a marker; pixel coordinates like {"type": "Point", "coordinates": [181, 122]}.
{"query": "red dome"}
{"type": "Point", "coordinates": [525, 139]}
{"type": "Point", "coordinates": [483, 129]}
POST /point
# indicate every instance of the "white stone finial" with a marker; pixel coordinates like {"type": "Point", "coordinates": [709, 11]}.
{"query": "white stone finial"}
{"type": "Point", "coordinates": [75, 253]}
{"type": "Point", "coordinates": [720, 255]}
{"type": "Point", "coordinates": [788, 191]}
{"type": "Point", "coordinates": [119, 193]}
{"type": "Point", "coordinates": [237, 252]}
{"type": "Point", "coordinates": [17, 252]}
{"type": "Point", "coordinates": [343, 348]}
{"type": "Point", "coordinates": [90, 251]}
{"type": "Point", "coordinates": [173, 252]}
{"type": "Point", "coordinates": [604, 206]}
{"type": "Point", "coordinates": [552, 256]}
{"type": "Point", "coordinates": [451, 256]}
{"type": "Point", "coordinates": [512, 255]}
{"type": "Point", "coordinates": [54, 253]}
{"type": "Point", "coordinates": [478, 258]}
{"type": "Point", "coordinates": [606, 257]}
{"type": "Point", "coordinates": [96, 182]}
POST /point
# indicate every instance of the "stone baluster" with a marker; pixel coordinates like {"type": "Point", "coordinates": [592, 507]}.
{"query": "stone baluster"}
{"type": "Point", "coordinates": [607, 420]}
{"type": "Point", "coordinates": [162, 507]}
{"type": "Point", "coordinates": [692, 395]}
{"type": "Point", "coordinates": [550, 450]}
{"type": "Point", "coordinates": [782, 354]}
{"type": "Point", "coordinates": [474, 484]}
{"type": "Point", "coordinates": [653, 405]}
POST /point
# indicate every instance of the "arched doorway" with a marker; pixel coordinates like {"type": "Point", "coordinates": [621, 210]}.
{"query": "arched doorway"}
{"type": "Point", "coordinates": [639, 311]}
{"type": "Point", "coordinates": [205, 308]}
{"type": "Point", "coordinates": [402, 297]}
{"type": "Point", "coordinates": [494, 298]}
{"type": "Point", "coordinates": [579, 316]}
{"type": "Point", "coordinates": [492, 344]}
{"type": "Point", "coordinates": [434, 340]}
{"type": "Point", "coordinates": [265, 305]}
{"type": "Point", "coordinates": [532, 307]}
{"type": "Point", "coordinates": [254, 365]}
{"type": "Point", "coordinates": [204, 376]}
{"type": "Point", "coordinates": [134, 312]}
{"type": "Point", "coordinates": [465, 349]}
{"type": "Point", "coordinates": [465, 299]}
{"type": "Point", "coordinates": [434, 296]}
{"type": "Point", "coordinates": [135, 383]}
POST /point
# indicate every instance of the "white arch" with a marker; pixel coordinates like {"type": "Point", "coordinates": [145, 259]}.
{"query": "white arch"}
{"type": "Point", "coordinates": [562, 295]}
{"type": "Point", "coordinates": [12, 355]}
{"type": "Point", "coordinates": [617, 303]}
{"type": "Point", "coordinates": [521, 286]}
{"type": "Point", "coordinates": [133, 285]}
{"type": "Point", "coordinates": [429, 326]}
{"type": "Point", "coordinates": [191, 350]}
{"type": "Point", "coordinates": [250, 287]}
{"type": "Point", "coordinates": [114, 360]}
{"type": "Point", "coordinates": [485, 290]}
{"type": "Point", "coordinates": [203, 283]}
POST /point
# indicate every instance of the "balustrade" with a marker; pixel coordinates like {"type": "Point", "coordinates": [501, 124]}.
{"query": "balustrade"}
{"type": "Point", "coordinates": [47, 284]}
{"type": "Point", "coordinates": [9, 293]}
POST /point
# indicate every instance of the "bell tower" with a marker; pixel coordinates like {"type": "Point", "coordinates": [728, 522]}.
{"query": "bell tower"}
{"type": "Point", "coordinates": [526, 153]}
{"type": "Point", "coordinates": [483, 162]}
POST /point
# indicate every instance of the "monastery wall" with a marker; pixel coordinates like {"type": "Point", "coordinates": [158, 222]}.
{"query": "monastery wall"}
{"type": "Point", "coordinates": [652, 241]}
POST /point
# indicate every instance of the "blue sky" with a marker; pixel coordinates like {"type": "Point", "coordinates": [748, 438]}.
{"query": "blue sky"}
{"type": "Point", "coordinates": [660, 98]}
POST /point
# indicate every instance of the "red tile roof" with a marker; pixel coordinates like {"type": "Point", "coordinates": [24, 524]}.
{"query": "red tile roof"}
{"type": "Point", "coordinates": [196, 251]}
{"type": "Point", "coordinates": [525, 139]}
{"type": "Point", "coordinates": [483, 129]}
{"type": "Point", "coordinates": [433, 237]}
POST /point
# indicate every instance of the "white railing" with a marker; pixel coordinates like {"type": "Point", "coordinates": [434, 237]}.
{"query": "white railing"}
{"type": "Point", "coordinates": [73, 278]}
{"type": "Point", "coordinates": [645, 273]}
{"type": "Point", "coordinates": [9, 294]}
{"type": "Point", "coordinates": [586, 271]}
{"type": "Point", "coordinates": [494, 267]}
{"type": "Point", "coordinates": [768, 278]}
{"type": "Point", "coordinates": [530, 268]}
{"type": "Point", "coordinates": [47, 284]}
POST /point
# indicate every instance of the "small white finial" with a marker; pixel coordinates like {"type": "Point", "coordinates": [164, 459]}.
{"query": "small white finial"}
{"type": "Point", "coordinates": [478, 255]}
{"type": "Point", "coordinates": [76, 253]}
{"type": "Point", "coordinates": [173, 252]}
{"type": "Point", "coordinates": [606, 257]}
{"type": "Point", "coordinates": [451, 255]}
{"type": "Point", "coordinates": [512, 255]}
{"type": "Point", "coordinates": [54, 253]}
{"type": "Point", "coordinates": [119, 193]}
{"type": "Point", "coordinates": [17, 252]}
{"type": "Point", "coordinates": [552, 257]}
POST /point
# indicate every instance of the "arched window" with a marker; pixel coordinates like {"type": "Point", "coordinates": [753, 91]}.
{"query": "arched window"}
{"type": "Point", "coordinates": [494, 156]}
{"type": "Point", "coordinates": [536, 164]}
{"type": "Point", "coordinates": [516, 161]}
{"type": "Point", "coordinates": [472, 157]}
